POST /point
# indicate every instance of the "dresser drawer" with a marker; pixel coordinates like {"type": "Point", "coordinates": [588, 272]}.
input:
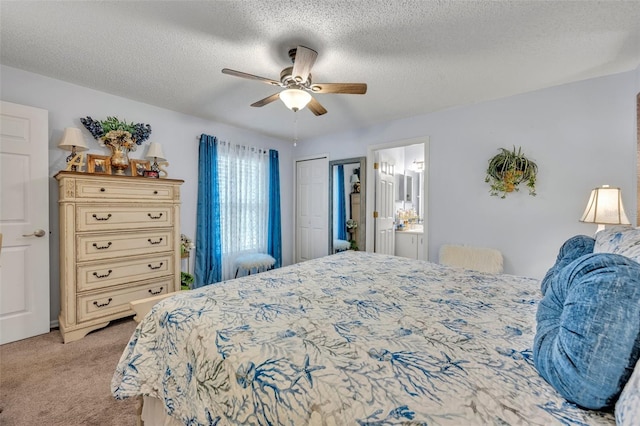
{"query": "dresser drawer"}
{"type": "Point", "coordinates": [99, 304]}
{"type": "Point", "coordinates": [99, 275]}
{"type": "Point", "coordinates": [106, 246]}
{"type": "Point", "coordinates": [110, 190]}
{"type": "Point", "coordinates": [104, 218]}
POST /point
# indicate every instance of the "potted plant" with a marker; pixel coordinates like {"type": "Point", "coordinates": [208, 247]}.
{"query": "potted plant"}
{"type": "Point", "coordinates": [186, 279]}
{"type": "Point", "coordinates": [508, 169]}
{"type": "Point", "coordinates": [351, 228]}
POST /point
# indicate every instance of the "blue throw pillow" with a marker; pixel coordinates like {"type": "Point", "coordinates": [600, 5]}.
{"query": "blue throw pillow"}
{"type": "Point", "coordinates": [572, 249]}
{"type": "Point", "coordinates": [588, 329]}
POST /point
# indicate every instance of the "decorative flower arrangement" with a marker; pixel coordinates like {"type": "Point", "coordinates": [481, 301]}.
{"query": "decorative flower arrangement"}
{"type": "Point", "coordinates": [407, 215]}
{"type": "Point", "coordinates": [115, 133]}
{"type": "Point", "coordinates": [186, 245]}
{"type": "Point", "coordinates": [352, 224]}
{"type": "Point", "coordinates": [508, 169]}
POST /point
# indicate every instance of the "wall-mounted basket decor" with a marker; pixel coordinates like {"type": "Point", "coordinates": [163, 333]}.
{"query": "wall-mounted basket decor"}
{"type": "Point", "coordinates": [508, 169]}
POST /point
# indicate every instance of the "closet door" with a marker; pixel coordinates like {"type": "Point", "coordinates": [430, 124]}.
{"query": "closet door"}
{"type": "Point", "coordinates": [312, 209]}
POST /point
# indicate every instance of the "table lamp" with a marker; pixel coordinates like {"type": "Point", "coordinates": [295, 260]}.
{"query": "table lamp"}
{"type": "Point", "coordinates": [355, 181]}
{"type": "Point", "coordinates": [605, 208]}
{"type": "Point", "coordinates": [73, 141]}
{"type": "Point", "coordinates": [155, 154]}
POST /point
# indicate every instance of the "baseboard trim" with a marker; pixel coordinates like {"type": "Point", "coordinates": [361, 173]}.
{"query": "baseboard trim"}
{"type": "Point", "coordinates": [54, 324]}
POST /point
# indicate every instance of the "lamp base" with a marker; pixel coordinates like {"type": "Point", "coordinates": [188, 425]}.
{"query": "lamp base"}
{"type": "Point", "coordinates": [75, 162]}
{"type": "Point", "coordinates": [600, 228]}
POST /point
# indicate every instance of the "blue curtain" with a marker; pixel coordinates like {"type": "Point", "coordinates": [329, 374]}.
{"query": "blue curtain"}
{"type": "Point", "coordinates": [342, 209]}
{"type": "Point", "coordinates": [274, 241]}
{"type": "Point", "coordinates": [208, 267]}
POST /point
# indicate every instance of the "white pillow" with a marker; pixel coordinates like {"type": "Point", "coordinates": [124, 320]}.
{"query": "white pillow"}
{"type": "Point", "coordinates": [624, 240]}
{"type": "Point", "coordinates": [628, 405]}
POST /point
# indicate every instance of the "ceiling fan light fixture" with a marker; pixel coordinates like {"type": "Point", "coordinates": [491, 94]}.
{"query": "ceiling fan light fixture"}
{"type": "Point", "coordinates": [295, 99]}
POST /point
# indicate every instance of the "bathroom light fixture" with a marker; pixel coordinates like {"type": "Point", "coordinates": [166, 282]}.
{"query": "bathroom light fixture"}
{"type": "Point", "coordinates": [417, 166]}
{"type": "Point", "coordinates": [295, 99]}
{"type": "Point", "coordinates": [73, 141]}
{"type": "Point", "coordinates": [605, 208]}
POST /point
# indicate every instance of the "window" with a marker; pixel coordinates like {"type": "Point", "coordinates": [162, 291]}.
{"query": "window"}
{"type": "Point", "coordinates": [244, 202]}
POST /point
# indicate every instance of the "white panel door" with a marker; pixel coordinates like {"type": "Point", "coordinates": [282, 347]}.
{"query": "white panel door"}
{"type": "Point", "coordinates": [385, 208]}
{"type": "Point", "coordinates": [312, 209]}
{"type": "Point", "coordinates": [24, 222]}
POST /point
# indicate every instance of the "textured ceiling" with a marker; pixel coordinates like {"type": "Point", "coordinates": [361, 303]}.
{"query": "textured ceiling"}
{"type": "Point", "coordinates": [415, 56]}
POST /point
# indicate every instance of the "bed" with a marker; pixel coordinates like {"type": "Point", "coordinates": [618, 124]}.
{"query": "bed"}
{"type": "Point", "coordinates": [352, 338]}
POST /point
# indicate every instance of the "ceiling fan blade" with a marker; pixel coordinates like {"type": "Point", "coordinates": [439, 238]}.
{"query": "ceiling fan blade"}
{"type": "Point", "coordinates": [346, 88]}
{"type": "Point", "coordinates": [267, 100]}
{"type": "Point", "coordinates": [315, 107]}
{"type": "Point", "coordinates": [249, 76]}
{"type": "Point", "coordinates": [305, 58]}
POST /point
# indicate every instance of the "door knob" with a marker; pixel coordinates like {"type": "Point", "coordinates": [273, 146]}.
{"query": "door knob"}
{"type": "Point", "coordinates": [36, 233]}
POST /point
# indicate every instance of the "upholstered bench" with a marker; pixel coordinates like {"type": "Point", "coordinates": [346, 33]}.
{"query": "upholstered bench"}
{"type": "Point", "coordinates": [479, 259]}
{"type": "Point", "coordinates": [254, 261]}
{"type": "Point", "coordinates": [341, 245]}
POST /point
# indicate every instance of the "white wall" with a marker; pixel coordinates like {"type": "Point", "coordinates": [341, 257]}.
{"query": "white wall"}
{"type": "Point", "coordinates": [581, 135]}
{"type": "Point", "coordinates": [178, 134]}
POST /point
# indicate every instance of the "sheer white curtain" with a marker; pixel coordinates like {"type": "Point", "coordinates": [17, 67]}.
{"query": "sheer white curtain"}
{"type": "Point", "coordinates": [244, 202]}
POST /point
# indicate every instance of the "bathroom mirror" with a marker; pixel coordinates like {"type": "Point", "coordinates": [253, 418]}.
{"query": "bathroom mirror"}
{"type": "Point", "coordinates": [347, 207]}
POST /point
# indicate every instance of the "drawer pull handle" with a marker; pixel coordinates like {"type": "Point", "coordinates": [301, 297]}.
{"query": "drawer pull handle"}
{"type": "Point", "coordinates": [154, 242]}
{"type": "Point", "coordinates": [102, 218]}
{"type": "Point", "coordinates": [155, 192]}
{"type": "Point", "coordinates": [102, 247]}
{"type": "Point", "coordinates": [156, 292]}
{"type": "Point", "coordinates": [102, 305]}
{"type": "Point", "coordinates": [102, 276]}
{"type": "Point", "coordinates": [102, 190]}
{"type": "Point", "coordinates": [154, 267]}
{"type": "Point", "coordinates": [154, 217]}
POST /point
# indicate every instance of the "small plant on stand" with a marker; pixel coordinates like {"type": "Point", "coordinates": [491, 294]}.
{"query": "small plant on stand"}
{"type": "Point", "coordinates": [186, 245]}
{"type": "Point", "coordinates": [351, 228]}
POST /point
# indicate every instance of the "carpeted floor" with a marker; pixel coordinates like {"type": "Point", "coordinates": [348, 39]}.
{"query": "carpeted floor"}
{"type": "Point", "coordinates": [46, 382]}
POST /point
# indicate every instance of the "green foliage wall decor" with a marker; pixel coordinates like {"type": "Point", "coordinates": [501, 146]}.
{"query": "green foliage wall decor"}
{"type": "Point", "coordinates": [508, 169]}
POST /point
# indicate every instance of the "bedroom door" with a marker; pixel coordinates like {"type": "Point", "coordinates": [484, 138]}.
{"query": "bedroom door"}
{"type": "Point", "coordinates": [312, 209]}
{"type": "Point", "coordinates": [385, 211]}
{"type": "Point", "coordinates": [24, 222]}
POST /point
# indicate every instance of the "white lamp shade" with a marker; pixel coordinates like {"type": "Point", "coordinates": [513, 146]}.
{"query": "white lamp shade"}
{"type": "Point", "coordinates": [295, 99]}
{"type": "Point", "coordinates": [605, 207]}
{"type": "Point", "coordinates": [72, 137]}
{"type": "Point", "coordinates": [354, 178]}
{"type": "Point", "coordinates": [155, 152]}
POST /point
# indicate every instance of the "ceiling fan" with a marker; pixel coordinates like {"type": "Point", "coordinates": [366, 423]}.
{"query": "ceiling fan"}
{"type": "Point", "coordinates": [296, 81]}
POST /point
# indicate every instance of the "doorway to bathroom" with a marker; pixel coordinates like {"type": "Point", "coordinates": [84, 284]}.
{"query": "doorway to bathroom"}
{"type": "Point", "coordinates": [400, 198]}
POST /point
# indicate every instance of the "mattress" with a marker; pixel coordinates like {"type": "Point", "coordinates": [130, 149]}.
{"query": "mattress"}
{"type": "Point", "coordinates": [351, 338]}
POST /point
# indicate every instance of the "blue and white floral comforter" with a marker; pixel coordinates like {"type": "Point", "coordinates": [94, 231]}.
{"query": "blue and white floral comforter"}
{"type": "Point", "coordinates": [350, 339]}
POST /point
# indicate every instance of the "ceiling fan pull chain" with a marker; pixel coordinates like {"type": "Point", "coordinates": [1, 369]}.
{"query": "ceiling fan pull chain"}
{"type": "Point", "coordinates": [295, 128]}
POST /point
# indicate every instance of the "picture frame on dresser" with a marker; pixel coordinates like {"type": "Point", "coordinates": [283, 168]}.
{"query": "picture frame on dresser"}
{"type": "Point", "coordinates": [99, 164]}
{"type": "Point", "coordinates": [138, 167]}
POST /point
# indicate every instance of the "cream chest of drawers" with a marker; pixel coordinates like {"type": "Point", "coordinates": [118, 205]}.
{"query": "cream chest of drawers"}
{"type": "Point", "coordinates": [119, 242]}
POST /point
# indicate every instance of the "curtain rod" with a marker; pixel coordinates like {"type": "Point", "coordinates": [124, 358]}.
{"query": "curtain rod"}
{"type": "Point", "coordinates": [265, 150]}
